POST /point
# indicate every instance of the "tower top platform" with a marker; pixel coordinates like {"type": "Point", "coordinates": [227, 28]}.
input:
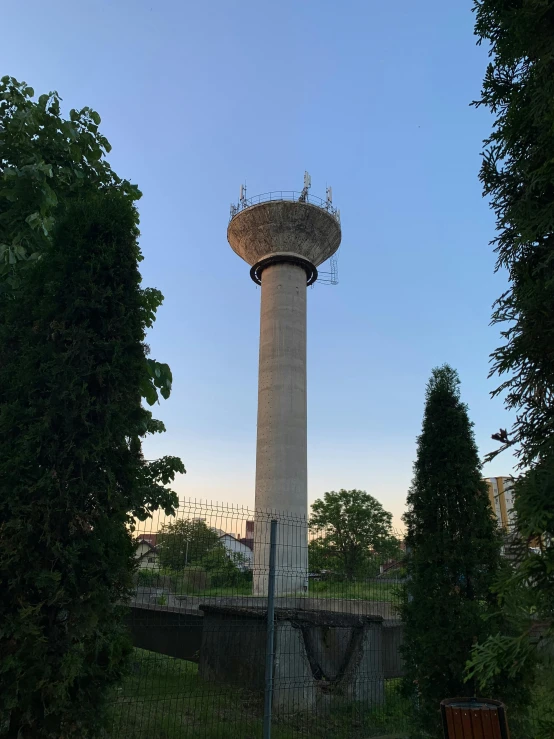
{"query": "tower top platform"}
{"type": "Point", "coordinates": [288, 224]}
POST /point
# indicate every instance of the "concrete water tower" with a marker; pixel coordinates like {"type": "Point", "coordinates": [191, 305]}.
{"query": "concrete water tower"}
{"type": "Point", "coordinates": [284, 237]}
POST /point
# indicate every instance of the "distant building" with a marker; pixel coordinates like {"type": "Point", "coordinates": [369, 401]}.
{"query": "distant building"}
{"type": "Point", "coordinates": [147, 554]}
{"type": "Point", "coordinates": [236, 546]}
{"type": "Point", "coordinates": [502, 500]}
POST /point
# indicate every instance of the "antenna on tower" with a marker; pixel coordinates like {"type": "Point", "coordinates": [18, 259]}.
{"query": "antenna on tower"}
{"type": "Point", "coordinates": [307, 184]}
{"type": "Point", "coordinates": [243, 195]}
{"type": "Point", "coordinates": [329, 193]}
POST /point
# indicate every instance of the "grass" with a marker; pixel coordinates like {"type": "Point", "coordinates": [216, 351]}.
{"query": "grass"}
{"type": "Point", "coordinates": [243, 589]}
{"type": "Point", "coordinates": [165, 698]}
{"type": "Point", "coordinates": [373, 590]}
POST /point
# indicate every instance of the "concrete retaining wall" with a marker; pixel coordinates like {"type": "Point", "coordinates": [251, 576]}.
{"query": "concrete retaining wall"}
{"type": "Point", "coordinates": [320, 658]}
{"type": "Point", "coordinates": [177, 632]}
{"type": "Point", "coordinates": [171, 631]}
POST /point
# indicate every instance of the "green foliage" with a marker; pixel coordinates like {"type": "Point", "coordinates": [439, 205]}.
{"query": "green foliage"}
{"type": "Point", "coordinates": [192, 579]}
{"type": "Point", "coordinates": [46, 162]}
{"type": "Point", "coordinates": [353, 533]}
{"type": "Point", "coordinates": [541, 717]}
{"type": "Point", "coordinates": [226, 569]}
{"type": "Point", "coordinates": [453, 554]}
{"type": "Point", "coordinates": [518, 176]}
{"type": "Point", "coordinates": [72, 476]}
{"type": "Point", "coordinates": [184, 542]}
{"type": "Point", "coordinates": [156, 578]}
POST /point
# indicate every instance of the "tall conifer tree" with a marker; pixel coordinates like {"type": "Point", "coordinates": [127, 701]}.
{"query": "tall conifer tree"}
{"type": "Point", "coordinates": [518, 176]}
{"type": "Point", "coordinates": [453, 553]}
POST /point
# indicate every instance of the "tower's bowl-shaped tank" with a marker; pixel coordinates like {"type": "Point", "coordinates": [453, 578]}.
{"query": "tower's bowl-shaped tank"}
{"type": "Point", "coordinates": [284, 227]}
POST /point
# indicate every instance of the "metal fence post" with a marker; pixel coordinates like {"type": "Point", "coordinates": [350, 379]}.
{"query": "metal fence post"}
{"type": "Point", "coordinates": [270, 634]}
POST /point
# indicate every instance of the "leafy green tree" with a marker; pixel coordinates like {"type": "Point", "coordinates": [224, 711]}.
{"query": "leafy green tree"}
{"type": "Point", "coordinates": [226, 569]}
{"type": "Point", "coordinates": [73, 479]}
{"type": "Point", "coordinates": [185, 542]}
{"type": "Point", "coordinates": [352, 533]}
{"type": "Point", "coordinates": [322, 558]}
{"type": "Point", "coordinates": [518, 176]}
{"type": "Point", "coordinates": [453, 554]}
{"type": "Point", "coordinates": [46, 162]}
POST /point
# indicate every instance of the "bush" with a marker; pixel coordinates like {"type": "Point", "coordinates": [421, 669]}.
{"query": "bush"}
{"type": "Point", "coordinates": [227, 570]}
{"type": "Point", "coordinates": [194, 580]}
{"type": "Point", "coordinates": [155, 579]}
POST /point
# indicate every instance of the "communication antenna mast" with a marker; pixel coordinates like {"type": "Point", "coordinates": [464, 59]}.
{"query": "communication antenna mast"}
{"type": "Point", "coordinates": [307, 184]}
{"type": "Point", "coordinates": [243, 195]}
{"type": "Point", "coordinates": [329, 194]}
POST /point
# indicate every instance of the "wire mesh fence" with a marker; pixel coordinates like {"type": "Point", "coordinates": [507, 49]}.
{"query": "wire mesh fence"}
{"type": "Point", "coordinates": [251, 624]}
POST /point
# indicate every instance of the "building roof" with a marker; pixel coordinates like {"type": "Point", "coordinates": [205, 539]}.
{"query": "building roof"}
{"type": "Point", "coordinates": [151, 548]}
{"type": "Point", "coordinates": [149, 538]}
{"type": "Point", "coordinates": [248, 543]}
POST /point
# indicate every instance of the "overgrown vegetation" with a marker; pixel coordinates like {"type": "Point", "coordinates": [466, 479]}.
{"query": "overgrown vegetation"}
{"type": "Point", "coordinates": [186, 707]}
{"type": "Point", "coordinates": [518, 176]}
{"type": "Point", "coordinates": [453, 555]}
{"type": "Point", "coordinates": [221, 575]}
{"type": "Point", "coordinates": [73, 367]}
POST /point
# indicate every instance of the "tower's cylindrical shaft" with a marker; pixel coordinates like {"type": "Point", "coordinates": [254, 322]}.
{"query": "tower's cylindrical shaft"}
{"type": "Point", "coordinates": [281, 455]}
{"type": "Point", "coordinates": [284, 241]}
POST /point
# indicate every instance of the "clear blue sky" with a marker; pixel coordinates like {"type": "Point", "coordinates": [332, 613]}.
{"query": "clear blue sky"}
{"type": "Point", "coordinates": [370, 97]}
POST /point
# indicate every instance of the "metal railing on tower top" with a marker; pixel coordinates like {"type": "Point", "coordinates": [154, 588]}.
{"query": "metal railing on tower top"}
{"type": "Point", "coordinates": [291, 195]}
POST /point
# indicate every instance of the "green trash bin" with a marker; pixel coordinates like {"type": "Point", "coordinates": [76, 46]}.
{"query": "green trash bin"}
{"type": "Point", "coordinates": [474, 718]}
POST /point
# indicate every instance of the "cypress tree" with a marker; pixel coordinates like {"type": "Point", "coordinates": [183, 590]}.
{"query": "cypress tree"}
{"type": "Point", "coordinates": [72, 475]}
{"type": "Point", "coordinates": [453, 554]}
